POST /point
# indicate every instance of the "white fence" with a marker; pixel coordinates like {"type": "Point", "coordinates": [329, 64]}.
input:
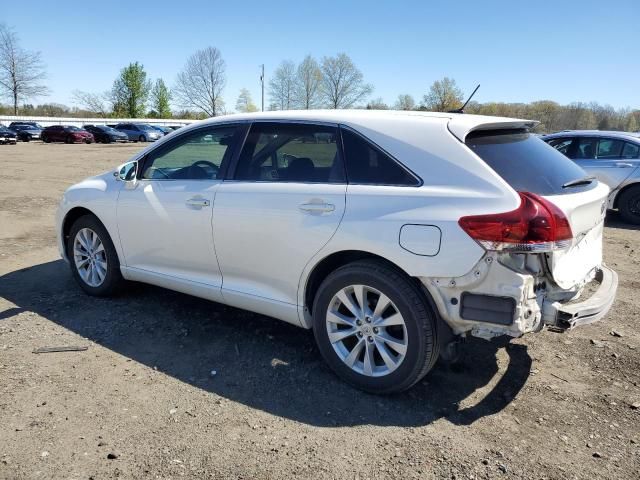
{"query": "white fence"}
{"type": "Point", "coordinates": [79, 122]}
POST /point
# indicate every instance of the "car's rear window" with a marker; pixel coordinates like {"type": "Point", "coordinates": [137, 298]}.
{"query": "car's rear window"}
{"type": "Point", "coordinates": [527, 163]}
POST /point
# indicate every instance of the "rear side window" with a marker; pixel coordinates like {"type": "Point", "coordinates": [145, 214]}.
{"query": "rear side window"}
{"type": "Point", "coordinates": [527, 163]}
{"type": "Point", "coordinates": [631, 150]}
{"type": "Point", "coordinates": [282, 152]}
{"type": "Point", "coordinates": [608, 148]}
{"type": "Point", "coordinates": [367, 164]}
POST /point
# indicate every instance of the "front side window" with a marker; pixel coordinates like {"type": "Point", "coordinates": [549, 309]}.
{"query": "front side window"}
{"type": "Point", "coordinates": [194, 156]}
{"type": "Point", "coordinates": [283, 152]}
{"type": "Point", "coordinates": [366, 164]}
{"type": "Point", "coordinates": [609, 148]}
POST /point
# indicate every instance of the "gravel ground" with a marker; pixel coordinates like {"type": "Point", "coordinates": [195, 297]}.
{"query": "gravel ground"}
{"type": "Point", "coordinates": [173, 386]}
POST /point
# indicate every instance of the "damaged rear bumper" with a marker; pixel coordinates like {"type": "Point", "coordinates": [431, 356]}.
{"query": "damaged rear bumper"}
{"type": "Point", "coordinates": [564, 316]}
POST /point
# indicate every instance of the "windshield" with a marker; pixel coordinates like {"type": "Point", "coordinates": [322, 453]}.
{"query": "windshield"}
{"type": "Point", "coordinates": [71, 128]}
{"type": "Point", "coordinates": [527, 163]}
{"type": "Point", "coordinates": [24, 127]}
{"type": "Point", "coordinates": [147, 128]}
{"type": "Point", "coordinates": [104, 128]}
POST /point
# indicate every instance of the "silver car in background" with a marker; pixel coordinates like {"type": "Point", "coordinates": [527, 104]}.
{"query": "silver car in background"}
{"type": "Point", "coordinates": [613, 158]}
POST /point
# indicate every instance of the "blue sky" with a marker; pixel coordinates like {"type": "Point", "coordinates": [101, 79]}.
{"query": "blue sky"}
{"type": "Point", "coordinates": [563, 50]}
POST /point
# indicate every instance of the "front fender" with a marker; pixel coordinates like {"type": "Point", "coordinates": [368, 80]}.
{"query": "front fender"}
{"type": "Point", "coordinates": [98, 195]}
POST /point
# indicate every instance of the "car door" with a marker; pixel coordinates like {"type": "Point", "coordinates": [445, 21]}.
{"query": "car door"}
{"type": "Point", "coordinates": [282, 202]}
{"type": "Point", "coordinates": [603, 158]}
{"type": "Point", "coordinates": [164, 217]}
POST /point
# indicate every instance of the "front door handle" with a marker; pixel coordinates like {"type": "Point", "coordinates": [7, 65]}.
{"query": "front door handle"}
{"type": "Point", "coordinates": [198, 202]}
{"type": "Point", "coordinates": [317, 208]}
{"type": "Point", "coordinates": [623, 165]}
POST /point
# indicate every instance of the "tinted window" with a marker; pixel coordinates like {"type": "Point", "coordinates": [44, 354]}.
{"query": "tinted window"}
{"type": "Point", "coordinates": [280, 152]}
{"type": "Point", "coordinates": [367, 164]}
{"type": "Point", "coordinates": [586, 148]}
{"type": "Point", "coordinates": [608, 148]}
{"type": "Point", "coordinates": [630, 150]}
{"type": "Point", "coordinates": [194, 156]}
{"type": "Point", "coordinates": [561, 144]}
{"type": "Point", "coordinates": [526, 163]}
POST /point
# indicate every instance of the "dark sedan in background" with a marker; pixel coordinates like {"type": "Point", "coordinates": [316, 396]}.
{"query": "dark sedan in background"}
{"type": "Point", "coordinates": [26, 132]}
{"type": "Point", "coordinates": [106, 134]}
{"type": "Point", "coordinates": [67, 134]}
{"type": "Point", "coordinates": [7, 136]}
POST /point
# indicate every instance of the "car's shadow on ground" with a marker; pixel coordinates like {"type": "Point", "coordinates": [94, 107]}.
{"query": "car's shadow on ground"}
{"type": "Point", "coordinates": [260, 362]}
{"type": "Point", "coordinates": [614, 220]}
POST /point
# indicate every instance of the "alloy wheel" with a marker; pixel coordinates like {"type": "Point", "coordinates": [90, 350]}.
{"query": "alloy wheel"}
{"type": "Point", "coordinates": [366, 330]}
{"type": "Point", "coordinates": [90, 257]}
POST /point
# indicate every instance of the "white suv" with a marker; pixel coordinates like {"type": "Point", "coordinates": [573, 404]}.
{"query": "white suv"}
{"type": "Point", "coordinates": [390, 234]}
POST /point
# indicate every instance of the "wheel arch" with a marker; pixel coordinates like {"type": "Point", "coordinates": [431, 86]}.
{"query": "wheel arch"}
{"type": "Point", "coordinates": [71, 216]}
{"type": "Point", "coordinates": [633, 184]}
{"type": "Point", "coordinates": [328, 264]}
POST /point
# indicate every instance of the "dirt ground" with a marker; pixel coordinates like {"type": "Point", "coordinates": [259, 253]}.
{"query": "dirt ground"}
{"type": "Point", "coordinates": [142, 402]}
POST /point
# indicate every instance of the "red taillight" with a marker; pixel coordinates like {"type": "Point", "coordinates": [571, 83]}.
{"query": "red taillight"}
{"type": "Point", "coordinates": [535, 226]}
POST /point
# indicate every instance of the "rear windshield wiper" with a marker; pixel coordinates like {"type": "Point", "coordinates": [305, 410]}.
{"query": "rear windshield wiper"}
{"type": "Point", "coordinates": [579, 182]}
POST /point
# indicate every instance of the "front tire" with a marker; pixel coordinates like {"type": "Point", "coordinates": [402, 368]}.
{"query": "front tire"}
{"type": "Point", "coordinates": [385, 347]}
{"type": "Point", "coordinates": [142, 138]}
{"type": "Point", "coordinates": [629, 205]}
{"type": "Point", "coordinates": [92, 257]}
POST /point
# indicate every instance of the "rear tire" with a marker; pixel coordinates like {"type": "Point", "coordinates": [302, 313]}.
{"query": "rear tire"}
{"type": "Point", "coordinates": [629, 205]}
{"type": "Point", "coordinates": [107, 279]}
{"type": "Point", "coordinates": [400, 340]}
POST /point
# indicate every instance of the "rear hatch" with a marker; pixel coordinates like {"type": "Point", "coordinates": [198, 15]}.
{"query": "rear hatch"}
{"type": "Point", "coordinates": [528, 164]}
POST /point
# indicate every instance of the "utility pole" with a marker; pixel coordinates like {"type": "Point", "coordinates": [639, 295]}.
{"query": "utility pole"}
{"type": "Point", "coordinates": [262, 82]}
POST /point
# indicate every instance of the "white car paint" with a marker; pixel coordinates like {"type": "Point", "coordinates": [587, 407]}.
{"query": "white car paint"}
{"type": "Point", "coordinates": [254, 245]}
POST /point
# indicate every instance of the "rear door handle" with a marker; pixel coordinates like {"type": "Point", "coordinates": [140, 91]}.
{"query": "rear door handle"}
{"type": "Point", "coordinates": [198, 202]}
{"type": "Point", "coordinates": [317, 208]}
{"type": "Point", "coordinates": [623, 165]}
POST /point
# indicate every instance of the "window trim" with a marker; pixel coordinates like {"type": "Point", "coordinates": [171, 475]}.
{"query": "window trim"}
{"type": "Point", "coordinates": [233, 164]}
{"type": "Point", "coordinates": [419, 181]}
{"type": "Point", "coordinates": [165, 146]}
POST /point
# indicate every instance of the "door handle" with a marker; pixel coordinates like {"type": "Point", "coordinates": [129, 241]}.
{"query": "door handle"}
{"type": "Point", "coordinates": [198, 202]}
{"type": "Point", "coordinates": [317, 208]}
{"type": "Point", "coordinates": [623, 165]}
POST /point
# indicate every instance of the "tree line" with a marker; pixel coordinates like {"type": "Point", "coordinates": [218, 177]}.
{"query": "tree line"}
{"type": "Point", "coordinates": [329, 82]}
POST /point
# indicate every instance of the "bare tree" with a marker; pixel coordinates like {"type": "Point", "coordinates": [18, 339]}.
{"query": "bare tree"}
{"type": "Point", "coordinates": [405, 102]}
{"type": "Point", "coordinates": [97, 103]}
{"type": "Point", "coordinates": [283, 84]}
{"type": "Point", "coordinates": [443, 95]}
{"type": "Point", "coordinates": [309, 78]}
{"type": "Point", "coordinates": [202, 81]}
{"type": "Point", "coordinates": [342, 83]}
{"type": "Point", "coordinates": [21, 71]}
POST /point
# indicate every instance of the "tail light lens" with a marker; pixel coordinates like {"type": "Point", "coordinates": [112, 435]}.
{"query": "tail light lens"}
{"type": "Point", "coordinates": [535, 226]}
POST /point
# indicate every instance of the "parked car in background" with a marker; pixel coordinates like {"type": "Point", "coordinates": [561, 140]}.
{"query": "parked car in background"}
{"type": "Point", "coordinates": [393, 240]}
{"type": "Point", "coordinates": [611, 157]}
{"type": "Point", "coordinates": [174, 127]}
{"type": "Point", "coordinates": [163, 130]}
{"type": "Point", "coordinates": [32, 124]}
{"type": "Point", "coordinates": [67, 134]}
{"type": "Point", "coordinates": [140, 132]}
{"type": "Point", "coordinates": [7, 136]}
{"type": "Point", "coordinates": [105, 134]}
{"type": "Point", "coordinates": [26, 132]}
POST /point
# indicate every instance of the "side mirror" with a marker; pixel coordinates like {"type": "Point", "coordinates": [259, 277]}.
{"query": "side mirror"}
{"type": "Point", "coordinates": [126, 172]}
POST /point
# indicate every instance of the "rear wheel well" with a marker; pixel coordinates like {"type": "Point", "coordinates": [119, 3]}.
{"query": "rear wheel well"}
{"type": "Point", "coordinates": [336, 260]}
{"type": "Point", "coordinates": [624, 189]}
